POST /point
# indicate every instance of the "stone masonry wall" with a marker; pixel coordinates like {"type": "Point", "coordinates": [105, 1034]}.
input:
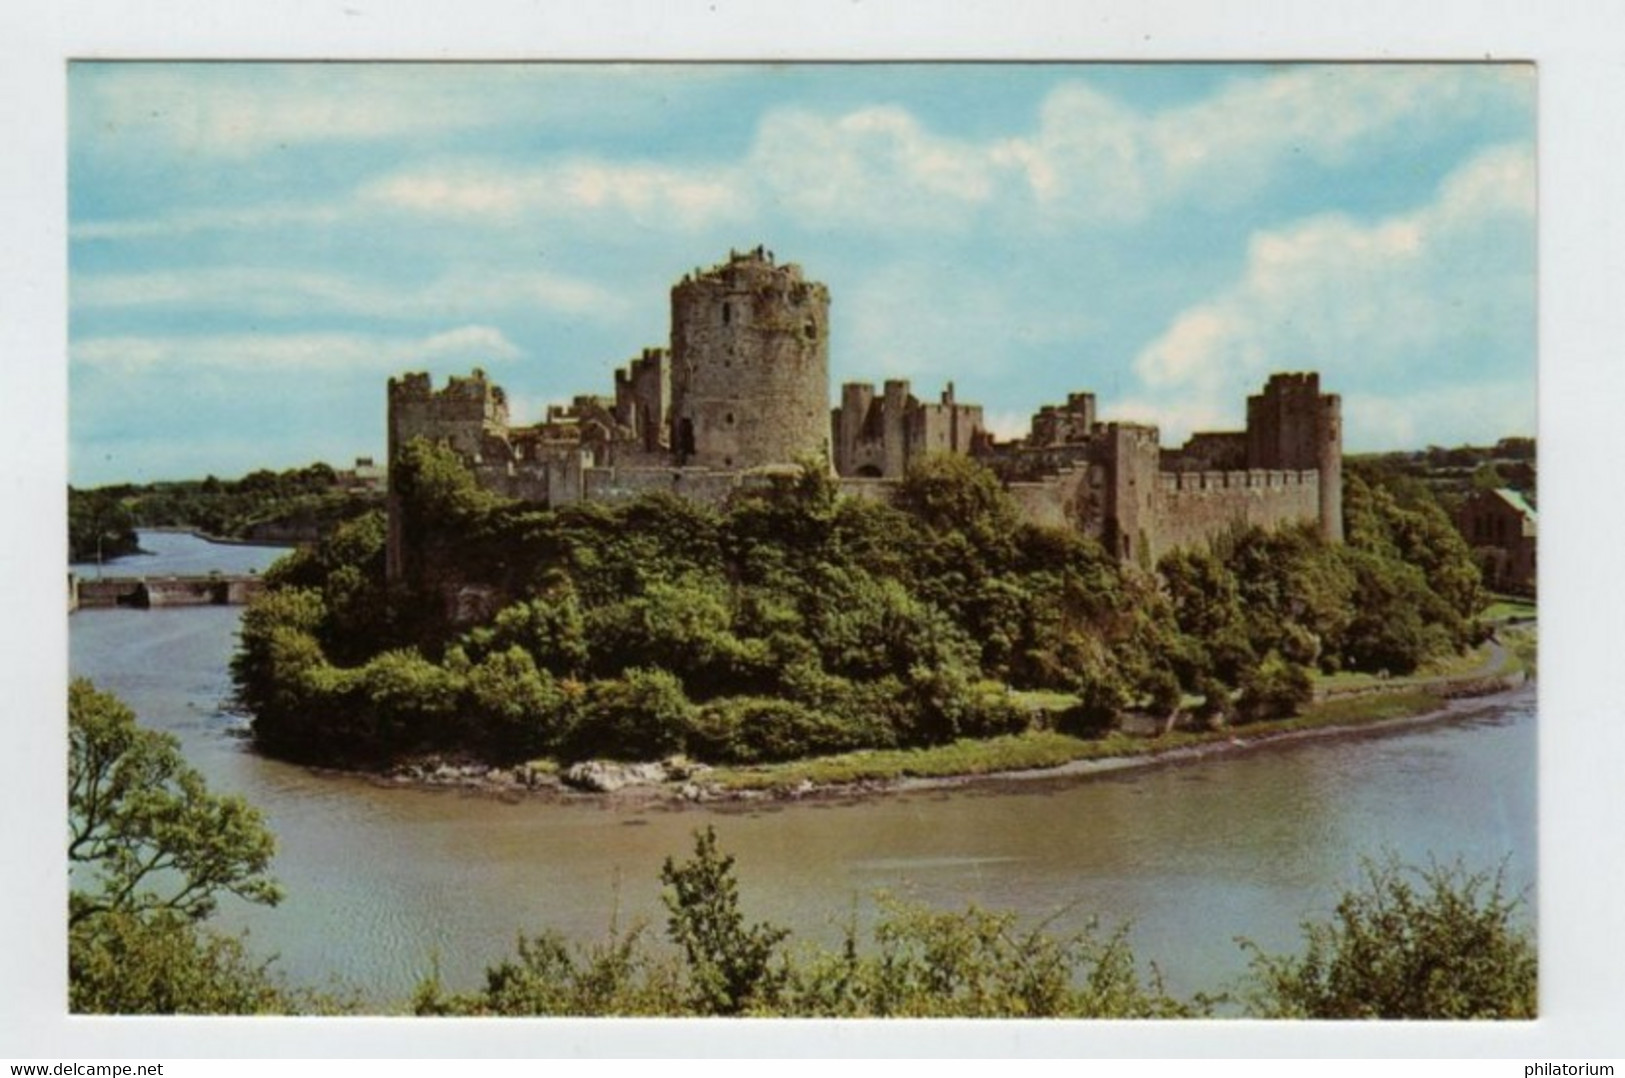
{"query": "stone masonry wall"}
{"type": "Point", "coordinates": [750, 365]}
{"type": "Point", "coordinates": [743, 393]}
{"type": "Point", "coordinates": [1194, 508]}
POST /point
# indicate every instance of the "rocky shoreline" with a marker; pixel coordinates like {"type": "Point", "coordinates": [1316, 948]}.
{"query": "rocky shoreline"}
{"type": "Point", "coordinates": [678, 780]}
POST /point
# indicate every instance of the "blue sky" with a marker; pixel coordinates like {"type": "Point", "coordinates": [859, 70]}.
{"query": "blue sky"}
{"type": "Point", "coordinates": [256, 248]}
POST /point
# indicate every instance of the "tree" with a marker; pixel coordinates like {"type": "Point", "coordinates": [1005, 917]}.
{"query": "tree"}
{"type": "Point", "coordinates": [144, 833]}
{"type": "Point", "coordinates": [731, 965]}
{"type": "Point", "coordinates": [1438, 943]}
{"type": "Point", "coordinates": [1274, 689]}
{"type": "Point", "coordinates": [150, 852]}
{"type": "Point", "coordinates": [100, 525]}
{"type": "Point", "coordinates": [124, 963]}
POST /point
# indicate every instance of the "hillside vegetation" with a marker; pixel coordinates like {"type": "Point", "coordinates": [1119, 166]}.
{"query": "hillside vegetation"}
{"type": "Point", "coordinates": [298, 503]}
{"type": "Point", "coordinates": [796, 623]}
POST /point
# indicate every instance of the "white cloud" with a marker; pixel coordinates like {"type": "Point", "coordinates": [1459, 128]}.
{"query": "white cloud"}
{"type": "Point", "coordinates": [874, 164]}
{"type": "Point", "coordinates": [1392, 309]}
{"type": "Point", "coordinates": [294, 293]}
{"type": "Point", "coordinates": [481, 341]}
{"type": "Point", "coordinates": [1177, 420]}
{"type": "Point", "coordinates": [333, 352]}
{"type": "Point", "coordinates": [1091, 156]}
{"type": "Point", "coordinates": [649, 194]}
{"type": "Point", "coordinates": [186, 223]}
{"type": "Point", "coordinates": [231, 110]}
{"type": "Point", "coordinates": [1096, 160]}
{"type": "Point", "coordinates": [1445, 416]}
{"type": "Point", "coordinates": [234, 110]}
{"type": "Point", "coordinates": [1091, 159]}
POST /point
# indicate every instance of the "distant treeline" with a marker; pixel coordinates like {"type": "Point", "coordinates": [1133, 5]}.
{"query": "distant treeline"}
{"type": "Point", "coordinates": [1451, 474]}
{"type": "Point", "coordinates": [794, 622]}
{"type": "Point", "coordinates": [310, 501]}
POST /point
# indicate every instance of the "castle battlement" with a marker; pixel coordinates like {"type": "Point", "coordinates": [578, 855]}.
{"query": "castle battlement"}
{"type": "Point", "coordinates": [742, 393]}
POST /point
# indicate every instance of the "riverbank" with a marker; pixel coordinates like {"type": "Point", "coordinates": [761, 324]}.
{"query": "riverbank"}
{"type": "Point", "coordinates": [1341, 707]}
{"type": "Point", "coordinates": [1036, 755]}
{"type": "Point", "coordinates": [224, 540]}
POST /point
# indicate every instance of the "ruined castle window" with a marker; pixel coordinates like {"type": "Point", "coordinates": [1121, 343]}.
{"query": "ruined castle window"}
{"type": "Point", "coordinates": [811, 328]}
{"type": "Point", "coordinates": [728, 419]}
{"type": "Point", "coordinates": [727, 313]}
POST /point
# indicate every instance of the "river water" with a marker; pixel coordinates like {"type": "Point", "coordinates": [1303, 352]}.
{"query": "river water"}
{"type": "Point", "coordinates": [385, 883]}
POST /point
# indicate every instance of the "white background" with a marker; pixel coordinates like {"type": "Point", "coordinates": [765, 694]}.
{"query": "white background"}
{"type": "Point", "coordinates": [1580, 50]}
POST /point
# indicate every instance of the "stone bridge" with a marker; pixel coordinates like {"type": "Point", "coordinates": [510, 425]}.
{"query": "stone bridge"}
{"type": "Point", "coordinates": [146, 592]}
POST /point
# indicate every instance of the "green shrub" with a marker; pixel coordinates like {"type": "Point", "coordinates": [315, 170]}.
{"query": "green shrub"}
{"type": "Point", "coordinates": [1438, 943]}
{"type": "Point", "coordinates": [754, 729]}
{"type": "Point", "coordinates": [643, 715]}
{"type": "Point", "coordinates": [519, 710]}
{"type": "Point", "coordinates": [1274, 689]}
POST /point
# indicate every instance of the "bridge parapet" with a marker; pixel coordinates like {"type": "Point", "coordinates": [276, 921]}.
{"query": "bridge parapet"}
{"type": "Point", "coordinates": [146, 593]}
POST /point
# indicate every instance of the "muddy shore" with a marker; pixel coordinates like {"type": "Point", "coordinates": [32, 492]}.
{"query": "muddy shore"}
{"type": "Point", "coordinates": [674, 783]}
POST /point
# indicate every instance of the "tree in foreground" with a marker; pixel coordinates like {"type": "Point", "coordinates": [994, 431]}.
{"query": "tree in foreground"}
{"type": "Point", "coordinates": [1435, 943]}
{"type": "Point", "coordinates": [732, 966]}
{"type": "Point", "coordinates": [150, 853]}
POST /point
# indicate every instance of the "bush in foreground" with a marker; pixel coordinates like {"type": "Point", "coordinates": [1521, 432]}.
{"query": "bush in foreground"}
{"type": "Point", "coordinates": [1437, 943]}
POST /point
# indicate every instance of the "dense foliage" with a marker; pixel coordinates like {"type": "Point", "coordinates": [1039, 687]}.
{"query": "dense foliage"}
{"type": "Point", "coordinates": [793, 622]}
{"type": "Point", "coordinates": [1451, 474]}
{"type": "Point", "coordinates": [299, 502]}
{"type": "Point", "coordinates": [151, 852]}
{"type": "Point", "coordinates": [1453, 948]}
{"type": "Point", "coordinates": [921, 964]}
{"type": "Point", "coordinates": [100, 526]}
{"type": "Point", "coordinates": [1438, 943]}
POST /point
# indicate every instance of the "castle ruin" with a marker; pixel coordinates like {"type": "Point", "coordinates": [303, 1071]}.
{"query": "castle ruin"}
{"type": "Point", "coordinates": [742, 395]}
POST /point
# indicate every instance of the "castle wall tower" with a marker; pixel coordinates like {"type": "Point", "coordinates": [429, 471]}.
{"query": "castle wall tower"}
{"type": "Point", "coordinates": [1292, 426]}
{"type": "Point", "coordinates": [643, 399]}
{"type": "Point", "coordinates": [750, 365]}
{"type": "Point", "coordinates": [894, 429]}
{"type": "Point", "coordinates": [857, 398]}
{"type": "Point", "coordinates": [1130, 458]}
{"type": "Point", "coordinates": [470, 415]}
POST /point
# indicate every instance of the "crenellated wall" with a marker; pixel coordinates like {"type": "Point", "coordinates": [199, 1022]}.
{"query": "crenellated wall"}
{"type": "Point", "coordinates": [880, 436]}
{"type": "Point", "coordinates": [742, 394]}
{"type": "Point", "coordinates": [1194, 508]}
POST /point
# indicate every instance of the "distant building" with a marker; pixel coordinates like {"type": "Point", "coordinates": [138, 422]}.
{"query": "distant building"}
{"type": "Point", "coordinates": [1501, 526]}
{"type": "Point", "coordinates": [365, 478]}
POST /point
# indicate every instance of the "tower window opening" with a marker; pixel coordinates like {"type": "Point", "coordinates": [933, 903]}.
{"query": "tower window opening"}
{"type": "Point", "coordinates": [728, 419]}
{"type": "Point", "coordinates": [727, 313]}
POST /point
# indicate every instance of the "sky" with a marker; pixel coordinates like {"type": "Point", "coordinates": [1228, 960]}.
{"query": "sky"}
{"type": "Point", "coordinates": [254, 249]}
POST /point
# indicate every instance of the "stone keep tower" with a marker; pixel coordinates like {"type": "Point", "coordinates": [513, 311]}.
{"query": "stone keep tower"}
{"type": "Point", "coordinates": [470, 415]}
{"type": "Point", "coordinates": [749, 365]}
{"type": "Point", "coordinates": [1292, 426]}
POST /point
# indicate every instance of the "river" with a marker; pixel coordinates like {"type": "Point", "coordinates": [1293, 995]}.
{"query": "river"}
{"type": "Point", "coordinates": [386, 883]}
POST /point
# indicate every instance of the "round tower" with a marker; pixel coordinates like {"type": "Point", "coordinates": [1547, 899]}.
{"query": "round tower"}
{"type": "Point", "coordinates": [750, 365]}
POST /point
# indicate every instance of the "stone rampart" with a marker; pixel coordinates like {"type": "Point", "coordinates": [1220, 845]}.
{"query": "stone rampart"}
{"type": "Point", "coordinates": [1194, 508]}
{"type": "Point", "coordinates": [1057, 501]}
{"type": "Point", "coordinates": [701, 485]}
